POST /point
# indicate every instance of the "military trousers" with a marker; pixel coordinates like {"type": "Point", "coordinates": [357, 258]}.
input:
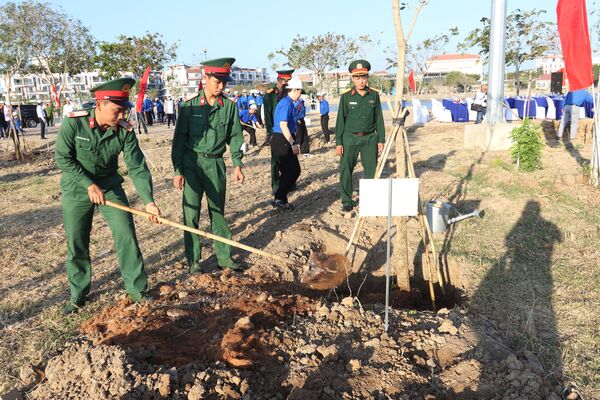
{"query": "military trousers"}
{"type": "Point", "coordinates": [205, 175]}
{"type": "Point", "coordinates": [77, 217]}
{"type": "Point", "coordinates": [354, 145]}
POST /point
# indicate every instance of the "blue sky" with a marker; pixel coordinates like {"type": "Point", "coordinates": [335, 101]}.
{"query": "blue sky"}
{"type": "Point", "coordinates": [250, 29]}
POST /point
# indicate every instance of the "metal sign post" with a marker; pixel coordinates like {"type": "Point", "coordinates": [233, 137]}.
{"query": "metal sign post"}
{"type": "Point", "coordinates": [388, 198]}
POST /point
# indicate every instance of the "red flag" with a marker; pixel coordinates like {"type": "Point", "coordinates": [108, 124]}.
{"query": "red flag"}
{"type": "Point", "coordinates": [411, 81]}
{"type": "Point", "coordinates": [55, 95]}
{"type": "Point", "coordinates": [143, 84]}
{"type": "Point", "coordinates": [575, 42]}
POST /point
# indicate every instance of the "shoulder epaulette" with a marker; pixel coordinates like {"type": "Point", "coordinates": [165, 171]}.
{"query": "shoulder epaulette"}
{"type": "Point", "coordinates": [346, 91]}
{"type": "Point", "coordinates": [76, 114]}
{"type": "Point", "coordinates": [374, 90]}
{"type": "Point", "coordinates": [193, 97]}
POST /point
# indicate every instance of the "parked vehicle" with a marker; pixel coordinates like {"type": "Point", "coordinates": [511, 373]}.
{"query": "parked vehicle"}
{"type": "Point", "coordinates": [29, 117]}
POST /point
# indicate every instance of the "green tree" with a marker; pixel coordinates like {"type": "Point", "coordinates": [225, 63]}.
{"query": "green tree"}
{"type": "Point", "coordinates": [57, 45]}
{"type": "Point", "coordinates": [380, 83]}
{"type": "Point", "coordinates": [527, 38]}
{"type": "Point", "coordinates": [134, 54]}
{"type": "Point", "coordinates": [14, 48]}
{"type": "Point", "coordinates": [459, 80]}
{"type": "Point", "coordinates": [320, 53]}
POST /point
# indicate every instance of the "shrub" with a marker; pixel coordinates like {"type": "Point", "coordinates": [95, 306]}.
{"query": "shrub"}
{"type": "Point", "coordinates": [527, 146]}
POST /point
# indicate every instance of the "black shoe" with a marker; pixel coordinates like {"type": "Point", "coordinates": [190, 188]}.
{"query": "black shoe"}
{"type": "Point", "coordinates": [346, 208]}
{"type": "Point", "coordinates": [283, 206]}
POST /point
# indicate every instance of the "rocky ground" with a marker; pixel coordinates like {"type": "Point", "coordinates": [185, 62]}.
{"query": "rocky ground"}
{"type": "Point", "coordinates": [262, 334]}
{"type": "Point", "coordinates": [226, 336]}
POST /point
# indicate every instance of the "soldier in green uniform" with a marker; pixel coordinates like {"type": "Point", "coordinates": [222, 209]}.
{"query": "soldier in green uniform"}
{"type": "Point", "coordinates": [359, 129]}
{"type": "Point", "coordinates": [87, 149]}
{"type": "Point", "coordinates": [207, 122]}
{"type": "Point", "coordinates": [270, 100]}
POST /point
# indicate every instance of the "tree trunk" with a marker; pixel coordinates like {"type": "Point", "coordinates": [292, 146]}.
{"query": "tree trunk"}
{"type": "Point", "coordinates": [517, 73]}
{"type": "Point", "coordinates": [401, 248]}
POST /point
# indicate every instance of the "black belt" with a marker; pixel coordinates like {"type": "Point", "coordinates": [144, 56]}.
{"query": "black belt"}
{"type": "Point", "coordinates": [362, 133]}
{"type": "Point", "coordinates": [206, 155]}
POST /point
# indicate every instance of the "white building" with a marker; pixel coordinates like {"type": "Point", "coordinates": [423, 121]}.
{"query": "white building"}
{"type": "Point", "coordinates": [181, 79]}
{"type": "Point", "coordinates": [446, 63]}
{"type": "Point", "coordinates": [550, 63]}
{"type": "Point", "coordinates": [33, 87]}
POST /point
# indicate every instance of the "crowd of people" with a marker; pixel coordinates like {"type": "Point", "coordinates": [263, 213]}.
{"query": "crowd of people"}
{"type": "Point", "coordinates": [89, 142]}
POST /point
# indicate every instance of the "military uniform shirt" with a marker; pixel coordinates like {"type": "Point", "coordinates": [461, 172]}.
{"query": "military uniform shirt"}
{"type": "Point", "coordinates": [86, 155]}
{"type": "Point", "coordinates": [269, 103]}
{"type": "Point", "coordinates": [204, 129]}
{"type": "Point", "coordinates": [359, 114]}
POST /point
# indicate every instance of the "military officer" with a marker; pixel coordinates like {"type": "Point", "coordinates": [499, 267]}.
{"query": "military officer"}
{"type": "Point", "coordinates": [87, 149]}
{"type": "Point", "coordinates": [270, 100]}
{"type": "Point", "coordinates": [359, 129]}
{"type": "Point", "coordinates": [207, 122]}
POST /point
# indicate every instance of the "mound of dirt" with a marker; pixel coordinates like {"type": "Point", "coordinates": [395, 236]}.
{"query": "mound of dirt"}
{"type": "Point", "coordinates": [223, 336]}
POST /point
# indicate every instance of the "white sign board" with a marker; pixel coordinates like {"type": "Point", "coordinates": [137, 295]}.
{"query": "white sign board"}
{"type": "Point", "coordinates": [374, 197]}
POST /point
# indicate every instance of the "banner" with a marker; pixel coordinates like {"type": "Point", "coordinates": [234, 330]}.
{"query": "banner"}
{"type": "Point", "coordinates": [142, 93]}
{"type": "Point", "coordinates": [55, 96]}
{"type": "Point", "coordinates": [575, 42]}
{"type": "Point", "coordinates": [411, 81]}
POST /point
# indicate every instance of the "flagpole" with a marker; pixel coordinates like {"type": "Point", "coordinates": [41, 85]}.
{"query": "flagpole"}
{"type": "Point", "coordinates": [595, 170]}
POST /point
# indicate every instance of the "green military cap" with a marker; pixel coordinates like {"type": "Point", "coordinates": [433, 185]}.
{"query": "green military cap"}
{"type": "Point", "coordinates": [116, 90]}
{"type": "Point", "coordinates": [220, 68]}
{"type": "Point", "coordinates": [359, 67]}
{"type": "Point", "coordinates": [285, 74]}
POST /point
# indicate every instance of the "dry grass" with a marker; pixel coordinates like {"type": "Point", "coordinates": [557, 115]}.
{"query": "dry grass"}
{"type": "Point", "coordinates": [531, 264]}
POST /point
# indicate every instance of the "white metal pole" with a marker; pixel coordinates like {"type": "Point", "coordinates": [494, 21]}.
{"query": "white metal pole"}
{"type": "Point", "coordinates": [595, 170]}
{"type": "Point", "coordinates": [387, 264]}
{"type": "Point", "coordinates": [495, 112]}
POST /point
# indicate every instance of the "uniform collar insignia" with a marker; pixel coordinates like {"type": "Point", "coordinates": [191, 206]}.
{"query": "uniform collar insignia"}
{"type": "Point", "coordinates": [92, 123]}
{"type": "Point", "coordinates": [202, 101]}
{"type": "Point", "coordinates": [353, 92]}
{"type": "Point", "coordinates": [220, 101]}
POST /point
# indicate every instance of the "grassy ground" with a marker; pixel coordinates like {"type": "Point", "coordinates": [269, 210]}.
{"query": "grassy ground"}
{"type": "Point", "coordinates": [530, 265]}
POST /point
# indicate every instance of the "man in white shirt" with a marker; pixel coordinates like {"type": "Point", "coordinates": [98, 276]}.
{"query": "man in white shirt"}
{"type": "Point", "coordinates": [170, 111]}
{"type": "Point", "coordinates": [41, 114]}
{"type": "Point", "coordinates": [67, 109]}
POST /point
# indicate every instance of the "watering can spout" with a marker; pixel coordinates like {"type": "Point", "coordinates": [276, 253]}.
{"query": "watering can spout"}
{"type": "Point", "coordinates": [475, 213]}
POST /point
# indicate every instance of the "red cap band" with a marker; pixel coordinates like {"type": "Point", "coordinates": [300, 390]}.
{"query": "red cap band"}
{"type": "Point", "coordinates": [216, 70]}
{"type": "Point", "coordinates": [107, 94]}
{"type": "Point", "coordinates": [356, 70]}
{"type": "Point", "coordinates": [284, 76]}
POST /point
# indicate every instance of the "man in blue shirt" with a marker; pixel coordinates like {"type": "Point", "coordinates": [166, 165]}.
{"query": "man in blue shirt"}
{"type": "Point", "coordinates": [324, 111]}
{"type": "Point", "coordinates": [243, 101]}
{"type": "Point", "coordinates": [573, 101]}
{"type": "Point", "coordinates": [301, 132]}
{"type": "Point", "coordinates": [259, 104]}
{"type": "Point", "coordinates": [283, 144]}
{"type": "Point", "coordinates": [249, 122]}
{"type": "Point", "coordinates": [160, 111]}
{"type": "Point", "coordinates": [147, 108]}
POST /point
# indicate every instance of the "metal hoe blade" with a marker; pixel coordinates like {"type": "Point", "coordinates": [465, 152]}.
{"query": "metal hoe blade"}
{"type": "Point", "coordinates": [326, 271]}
